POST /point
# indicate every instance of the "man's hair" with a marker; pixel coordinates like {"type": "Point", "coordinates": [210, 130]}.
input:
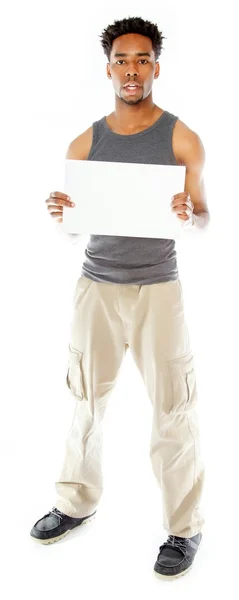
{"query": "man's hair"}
{"type": "Point", "coordinates": [132, 25]}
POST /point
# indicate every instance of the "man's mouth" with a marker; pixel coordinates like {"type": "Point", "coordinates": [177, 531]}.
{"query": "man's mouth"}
{"type": "Point", "coordinates": [131, 88]}
{"type": "Point", "coordinates": [131, 84]}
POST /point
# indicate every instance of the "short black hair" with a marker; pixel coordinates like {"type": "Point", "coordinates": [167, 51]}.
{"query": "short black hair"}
{"type": "Point", "coordinates": [132, 25]}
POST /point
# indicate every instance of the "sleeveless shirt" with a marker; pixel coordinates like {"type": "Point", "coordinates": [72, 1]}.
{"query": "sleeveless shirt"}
{"type": "Point", "coordinates": [131, 260]}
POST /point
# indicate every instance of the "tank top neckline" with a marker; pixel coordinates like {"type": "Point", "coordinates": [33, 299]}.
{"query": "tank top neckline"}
{"type": "Point", "coordinates": [133, 135]}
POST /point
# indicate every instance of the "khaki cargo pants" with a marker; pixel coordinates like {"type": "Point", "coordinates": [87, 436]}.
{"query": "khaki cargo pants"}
{"type": "Point", "coordinates": [107, 319]}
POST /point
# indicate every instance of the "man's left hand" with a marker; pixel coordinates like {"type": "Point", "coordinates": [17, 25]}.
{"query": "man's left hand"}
{"type": "Point", "coordinates": [183, 206]}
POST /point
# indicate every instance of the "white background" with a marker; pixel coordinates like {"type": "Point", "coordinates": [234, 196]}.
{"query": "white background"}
{"type": "Point", "coordinates": [54, 87]}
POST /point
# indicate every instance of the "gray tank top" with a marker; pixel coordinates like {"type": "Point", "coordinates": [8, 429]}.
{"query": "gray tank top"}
{"type": "Point", "coordinates": [131, 260]}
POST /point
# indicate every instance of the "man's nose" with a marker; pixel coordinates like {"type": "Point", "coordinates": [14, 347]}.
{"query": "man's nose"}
{"type": "Point", "coordinates": [131, 71]}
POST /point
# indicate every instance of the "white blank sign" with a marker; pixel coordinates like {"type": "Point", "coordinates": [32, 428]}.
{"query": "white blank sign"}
{"type": "Point", "coordinates": [125, 199]}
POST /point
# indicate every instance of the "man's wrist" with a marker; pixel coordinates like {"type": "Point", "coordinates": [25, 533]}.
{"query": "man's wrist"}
{"type": "Point", "coordinates": [201, 220]}
{"type": "Point", "coordinates": [196, 222]}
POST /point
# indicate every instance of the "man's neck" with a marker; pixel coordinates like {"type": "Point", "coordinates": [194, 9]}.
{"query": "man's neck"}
{"type": "Point", "coordinates": [131, 117]}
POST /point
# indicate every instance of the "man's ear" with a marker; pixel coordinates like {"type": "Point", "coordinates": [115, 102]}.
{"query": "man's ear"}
{"type": "Point", "coordinates": [157, 71]}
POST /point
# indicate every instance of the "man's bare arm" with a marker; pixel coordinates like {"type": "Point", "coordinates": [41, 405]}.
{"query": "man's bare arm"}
{"type": "Point", "coordinates": [78, 149]}
{"type": "Point", "coordinates": [191, 152]}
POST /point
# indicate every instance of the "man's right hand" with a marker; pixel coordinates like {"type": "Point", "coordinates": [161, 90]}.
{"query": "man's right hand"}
{"type": "Point", "coordinates": [55, 204]}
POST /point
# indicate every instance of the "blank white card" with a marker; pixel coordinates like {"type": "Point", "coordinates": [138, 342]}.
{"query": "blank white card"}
{"type": "Point", "coordinates": [125, 199]}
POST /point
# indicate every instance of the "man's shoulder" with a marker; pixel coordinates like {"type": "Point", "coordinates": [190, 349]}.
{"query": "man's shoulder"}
{"type": "Point", "coordinates": [80, 146]}
{"type": "Point", "coordinates": [184, 138]}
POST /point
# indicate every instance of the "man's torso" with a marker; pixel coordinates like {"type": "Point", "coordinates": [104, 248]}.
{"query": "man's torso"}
{"type": "Point", "coordinates": [119, 259]}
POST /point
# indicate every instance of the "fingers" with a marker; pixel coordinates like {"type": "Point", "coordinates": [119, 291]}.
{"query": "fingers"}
{"type": "Point", "coordinates": [56, 214]}
{"type": "Point", "coordinates": [179, 204]}
{"type": "Point", "coordinates": [59, 199]}
{"type": "Point", "coordinates": [55, 204]}
{"type": "Point", "coordinates": [182, 209]}
{"type": "Point", "coordinates": [183, 206]}
{"type": "Point", "coordinates": [54, 208]}
{"type": "Point", "coordinates": [183, 216]}
{"type": "Point", "coordinates": [182, 200]}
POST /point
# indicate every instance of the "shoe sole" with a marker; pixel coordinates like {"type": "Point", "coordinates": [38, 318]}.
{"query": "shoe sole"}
{"type": "Point", "coordinates": [59, 537]}
{"type": "Point", "coordinates": [161, 576]}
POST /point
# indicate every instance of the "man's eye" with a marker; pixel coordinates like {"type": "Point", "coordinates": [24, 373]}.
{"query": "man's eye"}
{"type": "Point", "coordinates": [142, 60]}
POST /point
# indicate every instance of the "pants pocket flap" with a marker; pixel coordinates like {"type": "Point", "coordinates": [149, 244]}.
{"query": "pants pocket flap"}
{"type": "Point", "coordinates": [183, 381]}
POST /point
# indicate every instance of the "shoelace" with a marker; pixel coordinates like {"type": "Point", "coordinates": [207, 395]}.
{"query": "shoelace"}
{"type": "Point", "coordinates": [175, 542]}
{"type": "Point", "coordinates": [55, 511]}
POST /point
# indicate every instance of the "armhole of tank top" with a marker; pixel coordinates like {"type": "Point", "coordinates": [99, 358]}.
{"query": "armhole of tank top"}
{"type": "Point", "coordinates": [94, 138]}
{"type": "Point", "coordinates": [174, 120]}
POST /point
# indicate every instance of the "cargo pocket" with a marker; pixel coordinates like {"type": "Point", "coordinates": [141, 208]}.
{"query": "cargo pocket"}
{"type": "Point", "coordinates": [74, 377]}
{"type": "Point", "coordinates": [182, 383]}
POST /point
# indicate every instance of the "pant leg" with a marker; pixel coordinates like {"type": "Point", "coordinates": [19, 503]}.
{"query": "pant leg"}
{"type": "Point", "coordinates": [96, 351]}
{"type": "Point", "coordinates": [159, 341]}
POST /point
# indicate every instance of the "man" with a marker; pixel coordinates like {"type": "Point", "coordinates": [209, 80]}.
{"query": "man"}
{"type": "Point", "coordinates": [129, 295]}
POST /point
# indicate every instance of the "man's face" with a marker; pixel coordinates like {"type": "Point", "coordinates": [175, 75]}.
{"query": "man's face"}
{"type": "Point", "coordinates": [131, 67]}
